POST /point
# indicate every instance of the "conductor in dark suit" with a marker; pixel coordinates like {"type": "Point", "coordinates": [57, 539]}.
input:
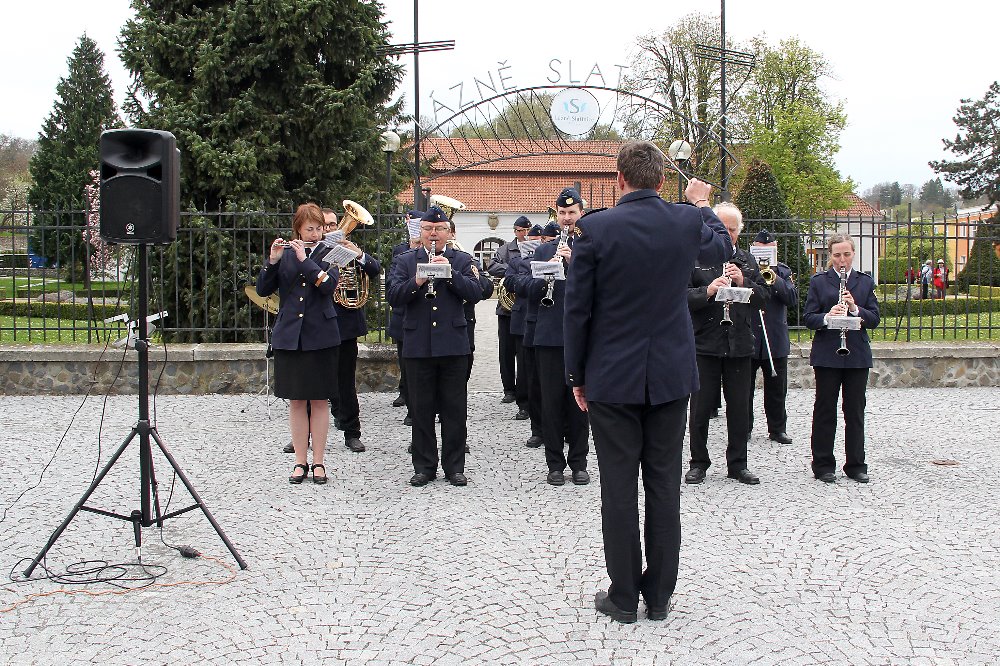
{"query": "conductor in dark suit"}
{"type": "Point", "coordinates": [630, 359]}
{"type": "Point", "coordinates": [436, 348]}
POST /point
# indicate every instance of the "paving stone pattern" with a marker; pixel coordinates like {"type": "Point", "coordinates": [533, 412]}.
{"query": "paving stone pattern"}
{"type": "Point", "coordinates": [367, 570]}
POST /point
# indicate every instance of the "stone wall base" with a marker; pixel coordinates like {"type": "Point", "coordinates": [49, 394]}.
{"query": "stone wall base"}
{"type": "Point", "coordinates": [241, 368]}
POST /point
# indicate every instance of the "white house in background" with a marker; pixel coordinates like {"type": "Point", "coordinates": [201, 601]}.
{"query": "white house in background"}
{"type": "Point", "coordinates": [862, 221]}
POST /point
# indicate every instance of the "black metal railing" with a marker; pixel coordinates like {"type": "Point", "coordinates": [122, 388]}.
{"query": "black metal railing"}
{"type": "Point", "coordinates": [54, 289]}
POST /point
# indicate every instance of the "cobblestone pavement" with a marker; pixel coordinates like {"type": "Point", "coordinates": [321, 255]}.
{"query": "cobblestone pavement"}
{"type": "Point", "coordinates": [367, 570]}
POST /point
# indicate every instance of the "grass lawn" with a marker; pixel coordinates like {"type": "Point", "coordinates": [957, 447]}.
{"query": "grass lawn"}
{"type": "Point", "coordinates": [37, 330]}
{"type": "Point", "coordinates": [9, 285]}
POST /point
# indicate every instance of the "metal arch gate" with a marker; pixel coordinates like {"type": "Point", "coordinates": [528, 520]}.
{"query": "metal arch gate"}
{"type": "Point", "coordinates": [517, 123]}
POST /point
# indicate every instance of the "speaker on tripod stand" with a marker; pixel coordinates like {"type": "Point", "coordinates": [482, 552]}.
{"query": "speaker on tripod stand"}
{"type": "Point", "coordinates": [140, 205]}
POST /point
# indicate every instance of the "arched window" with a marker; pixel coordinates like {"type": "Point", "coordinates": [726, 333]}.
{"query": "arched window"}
{"type": "Point", "coordinates": [486, 248]}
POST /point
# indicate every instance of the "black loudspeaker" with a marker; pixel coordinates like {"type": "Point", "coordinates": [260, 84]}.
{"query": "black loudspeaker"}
{"type": "Point", "coordinates": [140, 186]}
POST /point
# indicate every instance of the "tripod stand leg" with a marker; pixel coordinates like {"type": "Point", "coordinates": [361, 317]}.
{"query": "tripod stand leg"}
{"type": "Point", "coordinates": [83, 500]}
{"type": "Point", "coordinates": [197, 498]}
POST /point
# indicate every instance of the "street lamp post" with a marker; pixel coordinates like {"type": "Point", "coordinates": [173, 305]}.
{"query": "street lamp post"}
{"type": "Point", "coordinates": [679, 152]}
{"type": "Point", "coordinates": [390, 144]}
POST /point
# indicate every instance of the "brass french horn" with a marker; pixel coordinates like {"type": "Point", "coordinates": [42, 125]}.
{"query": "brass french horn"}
{"type": "Point", "coordinates": [352, 287]}
{"type": "Point", "coordinates": [447, 204]}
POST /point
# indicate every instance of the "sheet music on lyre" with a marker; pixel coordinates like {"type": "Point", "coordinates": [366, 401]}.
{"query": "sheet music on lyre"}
{"type": "Point", "coordinates": [340, 256]}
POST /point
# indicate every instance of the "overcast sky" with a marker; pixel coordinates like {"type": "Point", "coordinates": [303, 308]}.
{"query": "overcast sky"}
{"type": "Point", "coordinates": [901, 68]}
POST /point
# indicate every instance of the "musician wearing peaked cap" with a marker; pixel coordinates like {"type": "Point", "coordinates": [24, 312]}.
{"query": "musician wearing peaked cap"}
{"type": "Point", "coordinates": [772, 350]}
{"type": "Point", "coordinates": [522, 323]}
{"type": "Point", "coordinates": [630, 358]}
{"type": "Point", "coordinates": [562, 418]}
{"type": "Point", "coordinates": [436, 348]}
{"type": "Point", "coordinates": [839, 374]}
{"type": "Point", "coordinates": [498, 269]}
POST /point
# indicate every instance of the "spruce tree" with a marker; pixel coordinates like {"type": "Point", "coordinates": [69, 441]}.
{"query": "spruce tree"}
{"type": "Point", "coordinates": [269, 101]}
{"type": "Point", "coordinates": [763, 206]}
{"type": "Point", "coordinates": [983, 267]}
{"type": "Point", "coordinates": [67, 152]}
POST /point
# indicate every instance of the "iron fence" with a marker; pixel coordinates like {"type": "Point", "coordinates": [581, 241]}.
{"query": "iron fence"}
{"type": "Point", "coordinates": [53, 290]}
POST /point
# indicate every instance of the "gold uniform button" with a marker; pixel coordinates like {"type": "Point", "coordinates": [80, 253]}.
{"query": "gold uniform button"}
{"type": "Point", "coordinates": [434, 323]}
{"type": "Point", "coordinates": [303, 284]}
{"type": "Point", "coordinates": [301, 315]}
{"type": "Point", "coordinates": [434, 308]}
{"type": "Point", "coordinates": [301, 298]}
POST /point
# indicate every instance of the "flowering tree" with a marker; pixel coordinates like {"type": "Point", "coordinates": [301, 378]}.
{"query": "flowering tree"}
{"type": "Point", "coordinates": [103, 256]}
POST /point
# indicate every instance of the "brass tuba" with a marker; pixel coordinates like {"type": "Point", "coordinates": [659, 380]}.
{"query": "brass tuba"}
{"type": "Point", "coordinates": [766, 271]}
{"type": "Point", "coordinates": [506, 298]}
{"type": "Point", "coordinates": [447, 204]}
{"type": "Point", "coordinates": [352, 287]}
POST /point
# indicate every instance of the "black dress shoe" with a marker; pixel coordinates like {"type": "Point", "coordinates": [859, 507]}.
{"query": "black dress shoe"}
{"type": "Point", "coordinates": [780, 437]}
{"type": "Point", "coordinates": [457, 479]}
{"type": "Point", "coordinates": [607, 607]}
{"type": "Point", "coordinates": [399, 402]}
{"type": "Point", "coordinates": [533, 442]}
{"type": "Point", "coordinates": [522, 415]}
{"type": "Point", "coordinates": [827, 477]}
{"type": "Point", "coordinates": [860, 477]}
{"type": "Point", "coordinates": [354, 444]}
{"type": "Point", "coordinates": [508, 398]}
{"type": "Point", "coordinates": [744, 476]}
{"type": "Point", "coordinates": [555, 478]}
{"type": "Point", "coordinates": [694, 475]}
{"type": "Point", "coordinates": [656, 613]}
{"type": "Point", "coordinates": [581, 477]}
{"type": "Point", "coordinates": [407, 421]}
{"type": "Point", "coordinates": [289, 448]}
{"type": "Point", "coordinates": [421, 479]}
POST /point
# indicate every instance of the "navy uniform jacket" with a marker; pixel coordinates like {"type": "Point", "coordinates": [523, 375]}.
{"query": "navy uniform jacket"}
{"type": "Point", "coordinates": [306, 318]}
{"type": "Point", "coordinates": [784, 295]}
{"type": "Point", "coordinates": [395, 327]}
{"type": "Point", "coordinates": [435, 327]}
{"type": "Point", "coordinates": [352, 322]}
{"type": "Point", "coordinates": [486, 286]}
{"type": "Point", "coordinates": [549, 320]}
{"type": "Point", "coordinates": [824, 293]}
{"type": "Point", "coordinates": [518, 281]}
{"type": "Point", "coordinates": [627, 344]}
{"type": "Point", "coordinates": [499, 265]}
{"type": "Point", "coordinates": [519, 311]}
{"type": "Point", "coordinates": [710, 336]}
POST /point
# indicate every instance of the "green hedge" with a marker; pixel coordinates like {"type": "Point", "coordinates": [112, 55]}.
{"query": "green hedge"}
{"type": "Point", "coordinates": [66, 311]}
{"type": "Point", "coordinates": [935, 307]}
{"type": "Point", "coordinates": [983, 291]}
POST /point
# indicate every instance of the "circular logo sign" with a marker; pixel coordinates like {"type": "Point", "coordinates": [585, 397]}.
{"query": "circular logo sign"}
{"type": "Point", "coordinates": [574, 111]}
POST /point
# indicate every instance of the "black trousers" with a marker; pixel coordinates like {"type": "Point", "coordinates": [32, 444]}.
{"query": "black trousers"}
{"type": "Point", "coordinates": [561, 417]}
{"type": "Point", "coordinates": [403, 390]}
{"type": "Point", "coordinates": [527, 390]}
{"type": "Point", "coordinates": [775, 392]}
{"type": "Point", "coordinates": [508, 362]}
{"type": "Point", "coordinates": [851, 383]}
{"type": "Point", "coordinates": [627, 438]}
{"type": "Point", "coordinates": [345, 406]}
{"type": "Point", "coordinates": [734, 373]}
{"type": "Point", "coordinates": [438, 386]}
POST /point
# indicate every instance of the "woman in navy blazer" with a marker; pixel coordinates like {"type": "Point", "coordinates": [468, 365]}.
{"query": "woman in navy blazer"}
{"type": "Point", "coordinates": [305, 336]}
{"type": "Point", "coordinates": [835, 373]}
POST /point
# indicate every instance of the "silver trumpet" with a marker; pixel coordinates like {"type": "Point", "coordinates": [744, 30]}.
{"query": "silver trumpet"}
{"type": "Point", "coordinates": [431, 293]}
{"type": "Point", "coordinates": [726, 321]}
{"type": "Point", "coordinates": [548, 300]}
{"type": "Point", "coordinates": [843, 350]}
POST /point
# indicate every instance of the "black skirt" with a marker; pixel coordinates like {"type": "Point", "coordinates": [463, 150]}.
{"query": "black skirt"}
{"type": "Point", "coordinates": [305, 375]}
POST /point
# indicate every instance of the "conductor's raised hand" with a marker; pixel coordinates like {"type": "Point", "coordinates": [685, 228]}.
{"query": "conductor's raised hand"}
{"type": "Point", "coordinates": [698, 192]}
